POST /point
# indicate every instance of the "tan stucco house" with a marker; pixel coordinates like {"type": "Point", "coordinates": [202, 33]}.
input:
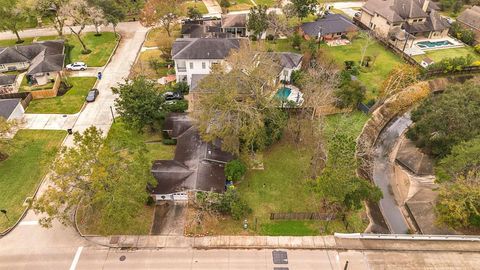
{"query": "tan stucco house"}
{"type": "Point", "coordinates": [402, 21]}
{"type": "Point", "coordinates": [470, 19]}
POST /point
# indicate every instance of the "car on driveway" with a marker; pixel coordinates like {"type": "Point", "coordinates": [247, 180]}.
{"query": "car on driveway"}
{"type": "Point", "coordinates": [172, 96]}
{"type": "Point", "coordinates": [76, 66]}
{"type": "Point", "coordinates": [92, 95]}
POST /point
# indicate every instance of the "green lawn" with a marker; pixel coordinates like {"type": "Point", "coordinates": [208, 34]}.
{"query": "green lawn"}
{"type": "Point", "coordinates": [12, 42]}
{"type": "Point", "coordinates": [121, 137]}
{"type": "Point", "coordinates": [70, 103]}
{"type": "Point", "coordinates": [198, 5]}
{"type": "Point", "coordinates": [280, 45]}
{"type": "Point", "coordinates": [101, 46]}
{"type": "Point", "coordinates": [438, 55]}
{"type": "Point", "coordinates": [159, 33]}
{"type": "Point", "coordinates": [371, 77]}
{"type": "Point", "coordinates": [143, 67]}
{"type": "Point", "coordinates": [31, 154]}
{"type": "Point", "coordinates": [268, 3]}
{"type": "Point", "coordinates": [237, 5]}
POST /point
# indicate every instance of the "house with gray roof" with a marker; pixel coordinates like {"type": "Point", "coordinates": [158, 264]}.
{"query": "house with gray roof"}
{"type": "Point", "coordinates": [8, 83]}
{"type": "Point", "coordinates": [11, 108]}
{"type": "Point", "coordinates": [196, 166]}
{"type": "Point", "coordinates": [330, 27]}
{"type": "Point", "coordinates": [404, 20]}
{"type": "Point", "coordinates": [42, 60]}
{"type": "Point", "coordinates": [228, 26]}
{"type": "Point", "coordinates": [470, 19]}
{"type": "Point", "coordinates": [196, 56]}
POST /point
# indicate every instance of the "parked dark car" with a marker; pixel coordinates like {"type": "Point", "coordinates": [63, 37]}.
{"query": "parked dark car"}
{"type": "Point", "coordinates": [92, 95]}
{"type": "Point", "coordinates": [173, 96]}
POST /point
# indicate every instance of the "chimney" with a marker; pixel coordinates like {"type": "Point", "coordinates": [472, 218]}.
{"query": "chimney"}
{"type": "Point", "coordinates": [425, 5]}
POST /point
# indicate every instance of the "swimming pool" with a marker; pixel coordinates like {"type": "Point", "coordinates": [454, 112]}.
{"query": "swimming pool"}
{"type": "Point", "coordinates": [283, 93]}
{"type": "Point", "coordinates": [433, 44]}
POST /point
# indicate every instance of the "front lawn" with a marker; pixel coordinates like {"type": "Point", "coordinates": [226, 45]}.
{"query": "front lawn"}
{"type": "Point", "coordinates": [438, 55]}
{"type": "Point", "coordinates": [101, 47]}
{"type": "Point", "coordinates": [237, 5]}
{"type": "Point", "coordinates": [159, 33]}
{"type": "Point", "coordinates": [31, 155]}
{"type": "Point", "coordinates": [280, 45]}
{"type": "Point", "coordinates": [70, 103]}
{"type": "Point", "coordinates": [121, 137]}
{"type": "Point", "coordinates": [12, 42]}
{"type": "Point", "coordinates": [373, 76]}
{"type": "Point", "coordinates": [200, 6]}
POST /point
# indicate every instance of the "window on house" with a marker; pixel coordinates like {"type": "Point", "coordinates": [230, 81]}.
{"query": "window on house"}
{"type": "Point", "coordinates": [191, 65]}
{"type": "Point", "coordinates": [204, 65]}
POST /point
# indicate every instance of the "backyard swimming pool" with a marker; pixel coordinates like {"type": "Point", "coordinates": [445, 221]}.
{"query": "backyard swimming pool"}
{"type": "Point", "coordinates": [283, 93]}
{"type": "Point", "coordinates": [434, 44]}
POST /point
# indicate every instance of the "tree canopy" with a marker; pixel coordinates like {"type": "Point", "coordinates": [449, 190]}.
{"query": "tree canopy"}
{"type": "Point", "coordinates": [463, 158]}
{"type": "Point", "coordinates": [303, 8]}
{"type": "Point", "coordinates": [444, 120]}
{"type": "Point", "coordinates": [109, 182]}
{"type": "Point", "coordinates": [235, 102]}
{"type": "Point", "coordinates": [257, 20]}
{"type": "Point", "coordinates": [140, 103]}
{"type": "Point", "coordinates": [13, 16]}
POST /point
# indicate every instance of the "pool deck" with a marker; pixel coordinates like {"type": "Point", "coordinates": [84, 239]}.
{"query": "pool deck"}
{"type": "Point", "coordinates": [416, 50]}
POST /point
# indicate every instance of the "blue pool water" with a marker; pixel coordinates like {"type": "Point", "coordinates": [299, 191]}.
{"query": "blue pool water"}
{"type": "Point", "coordinates": [433, 44]}
{"type": "Point", "coordinates": [283, 93]}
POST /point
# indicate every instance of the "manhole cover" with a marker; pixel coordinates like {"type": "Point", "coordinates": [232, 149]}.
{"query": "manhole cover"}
{"type": "Point", "coordinates": [114, 240]}
{"type": "Point", "coordinates": [122, 258]}
{"type": "Point", "coordinates": [279, 257]}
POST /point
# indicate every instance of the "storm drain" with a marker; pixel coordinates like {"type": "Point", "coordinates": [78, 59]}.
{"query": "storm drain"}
{"type": "Point", "coordinates": [279, 257]}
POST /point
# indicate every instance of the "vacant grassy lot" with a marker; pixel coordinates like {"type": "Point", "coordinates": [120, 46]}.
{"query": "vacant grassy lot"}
{"type": "Point", "coordinates": [438, 55]}
{"type": "Point", "coordinates": [159, 33]}
{"type": "Point", "coordinates": [31, 154]}
{"type": "Point", "coordinates": [121, 137]}
{"type": "Point", "coordinates": [70, 103]}
{"type": "Point", "coordinates": [371, 77]}
{"type": "Point", "coordinates": [283, 187]}
{"type": "Point", "coordinates": [101, 47]}
{"type": "Point", "coordinates": [145, 68]}
{"type": "Point", "coordinates": [198, 5]}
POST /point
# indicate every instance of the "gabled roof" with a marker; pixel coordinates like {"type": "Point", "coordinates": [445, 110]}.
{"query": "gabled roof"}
{"type": "Point", "coordinates": [471, 17]}
{"type": "Point", "coordinates": [7, 79]}
{"type": "Point", "coordinates": [331, 23]}
{"type": "Point", "coordinates": [11, 55]}
{"type": "Point", "coordinates": [399, 10]}
{"type": "Point", "coordinates": [204, 48]}
{"type": "Point", "coordinates": [289, 59]}
{"type": "Point", "coordinates": [197, 165]}
{"type": "Point", "coordinates": [46, 63]}
{"type": "Point", "coordinates": [234, 20]}
{"type": "Point", "coordinates": [7, 106]}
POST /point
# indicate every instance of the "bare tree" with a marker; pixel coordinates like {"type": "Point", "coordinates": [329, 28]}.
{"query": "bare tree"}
{"type": "Point", "coordinates": [47, 7]}
{"type": "Point", "coordinates": [81, 14]}
{"type": "Point", "coordinates": [163, 12]}
{"type": "Point", "coordinates": [368, 40]}
{"type": "Point", "coordinates": [98, 19]}
{"type": "Point", "coordinates": [278, 24]}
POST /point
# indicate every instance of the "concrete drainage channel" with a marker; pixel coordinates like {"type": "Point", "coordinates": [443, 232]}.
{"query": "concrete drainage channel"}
{"type": "Point", "coordinates": [280, 257]}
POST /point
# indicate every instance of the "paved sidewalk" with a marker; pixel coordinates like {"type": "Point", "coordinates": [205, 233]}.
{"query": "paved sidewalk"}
{"type": "Point", "coordinates": [213, 8]}
{"type": "Point", "coordinates": [49, 121]}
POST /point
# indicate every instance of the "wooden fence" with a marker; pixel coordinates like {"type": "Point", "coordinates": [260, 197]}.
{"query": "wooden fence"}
{"type": "Point", "coordinates": [48, 93]}
{"type": "Point", "coordinates": [25, 96]}
{"type": "Point", "coordinates": [302, 216]}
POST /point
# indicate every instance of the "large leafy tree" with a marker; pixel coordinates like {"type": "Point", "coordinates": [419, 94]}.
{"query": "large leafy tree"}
{"type": "Point", "coordinates": [443, 121]}
{"type": "Point", "coordinates": [257, 20]}
{"type": "Point", "coordinates": [140, 103]}
{"type": "Point", "coordinates": [162, 12]}
{"type": "Point", "coordinates": [465, 157]}
{"type": "Point", "coordinates": [303, 8]}
{"type": "Point", "coordinates": [458, 203]}
{"type": "Point", "coordinates": [235, 102]}
{"type": "Point", "coordinates": [109, 182]}
{"type": "Point", "coordinates": [114, 11]}
{"type": "Point", "coordinates": [13, 15]}
{"type": "Point", "coordinates": [6, 127]}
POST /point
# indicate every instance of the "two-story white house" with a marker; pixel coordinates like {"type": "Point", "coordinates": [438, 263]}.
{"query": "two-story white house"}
{"type": "Point", "coordinates": [194, 57]}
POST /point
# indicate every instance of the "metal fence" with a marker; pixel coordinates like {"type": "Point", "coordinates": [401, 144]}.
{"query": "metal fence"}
{"type": "Point", "coordinates": [302, 216]}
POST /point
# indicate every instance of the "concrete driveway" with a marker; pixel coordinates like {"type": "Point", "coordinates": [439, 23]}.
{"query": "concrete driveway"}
{"type": "Point", "coordinates": [169, 218]}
